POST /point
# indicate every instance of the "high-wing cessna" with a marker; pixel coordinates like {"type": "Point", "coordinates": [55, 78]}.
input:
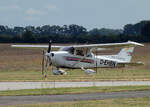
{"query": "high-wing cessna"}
{"type": "Point", "coordinates": [82, 56]}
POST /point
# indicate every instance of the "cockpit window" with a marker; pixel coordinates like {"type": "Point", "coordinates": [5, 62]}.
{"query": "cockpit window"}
{"type": "Point", "coordinates": [80, 52]}
{"type": "Point", "coordinates": [90, 55]}
{"type": "Point", "coordinates": [68, 49]}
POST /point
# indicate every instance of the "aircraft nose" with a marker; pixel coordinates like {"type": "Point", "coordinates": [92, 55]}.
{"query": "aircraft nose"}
{"type": "Point", "coordinates": [53, 58]}
{"type": "Point", "coordinates": [49, 55]}
{"type": "Point", "coordinates": [52, 54]}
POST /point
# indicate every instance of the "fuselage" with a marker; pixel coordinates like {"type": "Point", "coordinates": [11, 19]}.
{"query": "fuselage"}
{"type": "Point", "coordinates": [67, 60]}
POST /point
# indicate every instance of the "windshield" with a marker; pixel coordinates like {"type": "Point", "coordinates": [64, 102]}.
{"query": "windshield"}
{"type": "Point", "coordinates": [68, 49]}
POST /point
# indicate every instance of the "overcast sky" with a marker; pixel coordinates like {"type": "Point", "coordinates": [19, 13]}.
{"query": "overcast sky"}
{"type": "Point", "coordinates": [88, 13]}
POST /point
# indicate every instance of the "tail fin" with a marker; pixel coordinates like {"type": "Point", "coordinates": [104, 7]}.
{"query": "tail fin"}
{"type": "Point", "coordinates": [125, 54]}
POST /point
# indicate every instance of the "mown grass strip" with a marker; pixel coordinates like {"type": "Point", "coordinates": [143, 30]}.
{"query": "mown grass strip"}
{"type": "Point", "coordinates": [54, 91]}
{"type": "Point", "coordinates": [75, 75]}
{"type": "Point", "coordinates": [124, 102]}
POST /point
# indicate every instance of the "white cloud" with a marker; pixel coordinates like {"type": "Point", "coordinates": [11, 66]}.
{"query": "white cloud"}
{"type": "Point", "coordinates": [31, 18]}
{"type": "Point", "coordinates": [33, 12]}
{"type": "Point", "coordinates": [50, 7]}
{"type": "Point", "coordinates": [9, 8]}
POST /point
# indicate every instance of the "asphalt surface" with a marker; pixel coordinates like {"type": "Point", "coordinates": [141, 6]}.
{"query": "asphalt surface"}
{"type": "Point", "coordinates": [38, 85]}
{"type": "Point", "coordinates": [16, 100]}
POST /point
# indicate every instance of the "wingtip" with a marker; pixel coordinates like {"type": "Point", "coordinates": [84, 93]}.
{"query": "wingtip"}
{"type": "Point", "coordinates": [12, 45]}
{"type": "Point", "coordinates": [135, 43]}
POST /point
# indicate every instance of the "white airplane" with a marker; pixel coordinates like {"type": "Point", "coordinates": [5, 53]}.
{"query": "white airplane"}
{"type": "Point", "coordinates": [82, 56]}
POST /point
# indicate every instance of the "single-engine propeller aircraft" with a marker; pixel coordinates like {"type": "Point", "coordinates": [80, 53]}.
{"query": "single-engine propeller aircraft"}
{"type": "Point", "coordinates": [82, 56]}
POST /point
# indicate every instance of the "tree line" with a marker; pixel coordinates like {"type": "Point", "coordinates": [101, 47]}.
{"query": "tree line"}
{"type": "Point", "coordinates": [73, 33]}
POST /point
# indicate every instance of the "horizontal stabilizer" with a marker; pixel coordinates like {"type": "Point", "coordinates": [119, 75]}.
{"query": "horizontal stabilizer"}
{"type": "Point", "coordinates": [132, 64]}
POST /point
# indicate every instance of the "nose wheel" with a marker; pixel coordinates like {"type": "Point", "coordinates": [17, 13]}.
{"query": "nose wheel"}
{"type": "Point", "coordinates": [58, 71]}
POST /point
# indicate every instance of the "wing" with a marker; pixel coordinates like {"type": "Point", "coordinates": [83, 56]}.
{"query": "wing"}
{"type": "Point", "coordinates": [35, 46]}
{"type": "Point", "coordinates": [87, 47]}
{"type": "Point", "coordinates": [108, 45]}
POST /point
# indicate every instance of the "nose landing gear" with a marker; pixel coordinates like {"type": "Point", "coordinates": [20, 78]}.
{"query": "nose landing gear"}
{"type": "Point", "coordinates": [58, 71]}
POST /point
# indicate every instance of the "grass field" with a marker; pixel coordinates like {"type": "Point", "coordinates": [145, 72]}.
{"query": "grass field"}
{"type": "Point", "coordinates": [124, 102]}
{"type": "Point", "coordinates": [20, 64]}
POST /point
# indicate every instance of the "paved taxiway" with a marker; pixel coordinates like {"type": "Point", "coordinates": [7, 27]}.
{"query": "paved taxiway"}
{"type": "Point", "coordinates": [38, 85]}
{"type": "Point", "coordinates": [15, 100]}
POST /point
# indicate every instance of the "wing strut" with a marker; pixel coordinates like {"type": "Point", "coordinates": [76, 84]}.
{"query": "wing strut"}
{"type": "Point", "coordinates": [96, 61]}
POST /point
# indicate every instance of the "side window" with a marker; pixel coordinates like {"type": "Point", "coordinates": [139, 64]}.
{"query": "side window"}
{"type": "Point", "coordinates": [72, 50]}
{"type": "Point", "coordinates": [79, 52]}
{"type": "Point", "coordinates": [68, 49]}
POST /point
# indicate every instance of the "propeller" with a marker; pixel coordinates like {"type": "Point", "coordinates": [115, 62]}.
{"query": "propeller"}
{"type": "Point", "coordinates": [46, 55]}
{"type": "Point", "coordinates": [49, 47]}
{"type": "Point", "coordinates": [48, 59]}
